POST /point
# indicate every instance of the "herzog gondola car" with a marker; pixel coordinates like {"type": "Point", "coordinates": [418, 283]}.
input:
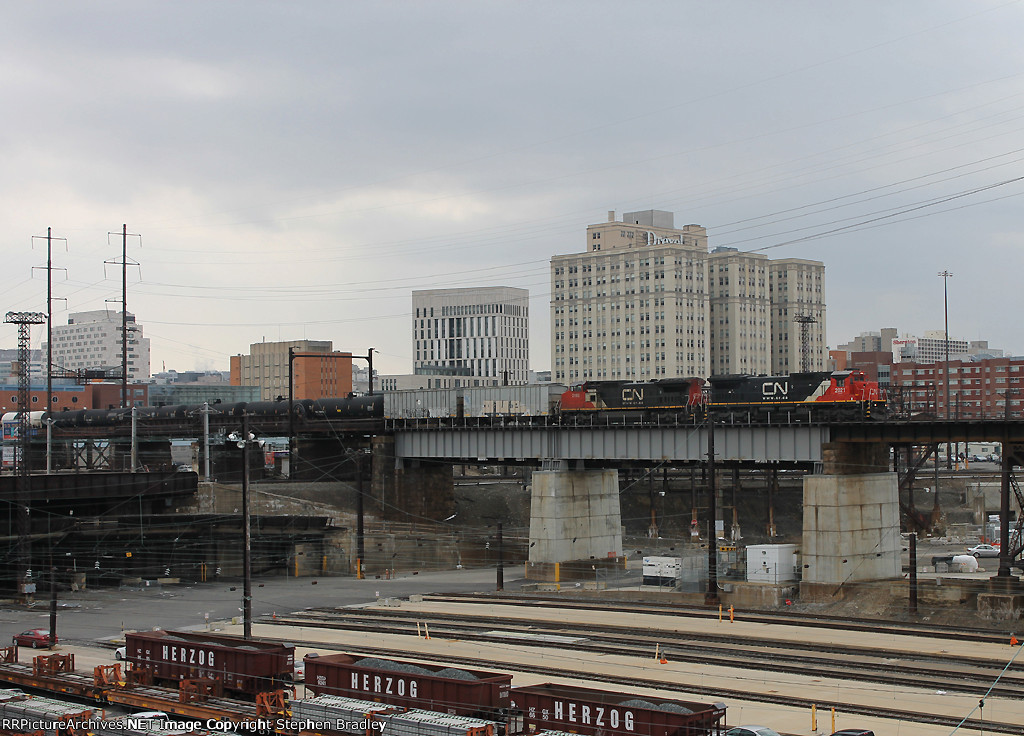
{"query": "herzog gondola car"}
{"type": "Point", "coordinates": [431, 687]}
{"type": "Point", "coordinates": [601, 713]}
{"type": "Point", "coordinates": [242, 666]}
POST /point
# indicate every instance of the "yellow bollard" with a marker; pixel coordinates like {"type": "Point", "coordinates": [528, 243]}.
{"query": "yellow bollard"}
{"type": "Point", "coordinates": [833, 720]}
{"type": "Point", "coordinates": [814, 717]}
{"type": "Point", "coordinates": [719, 613]}
{"type": "Point", "coordinates": [557, 572]}
{"type": "Point", "coordinates": [731, 619]}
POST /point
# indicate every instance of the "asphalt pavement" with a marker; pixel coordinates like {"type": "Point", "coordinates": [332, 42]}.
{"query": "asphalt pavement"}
{"type": "Point", "coordinates": [97, 615]}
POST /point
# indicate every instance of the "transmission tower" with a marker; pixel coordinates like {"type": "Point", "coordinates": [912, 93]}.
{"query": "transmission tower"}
{"type": "Point", "coordinates": [23, 550]}
{"type": "Point", "coordinates": [805, 321]}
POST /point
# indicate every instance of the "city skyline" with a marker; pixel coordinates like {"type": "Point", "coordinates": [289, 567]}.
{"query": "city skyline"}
{"type": "Point", "coordinates": [286, 186]}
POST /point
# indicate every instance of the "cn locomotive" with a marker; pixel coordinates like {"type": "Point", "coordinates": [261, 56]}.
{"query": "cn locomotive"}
{"type": "Point", "coordinates": [810, 396]}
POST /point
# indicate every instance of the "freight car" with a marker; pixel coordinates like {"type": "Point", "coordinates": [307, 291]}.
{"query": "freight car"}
{"type": "Point", "coordinates": [430, 687]}
{"type": "Point", "coordinates": [601, 713]}
{"type": "Point", "coordinates": [32, 714]}
{"type": "Point", "coordinates": [242, 666]}
{"type": "Point", "coordinates": [475, 402]}
{"type": "Point", "coordinates": [332, 713]}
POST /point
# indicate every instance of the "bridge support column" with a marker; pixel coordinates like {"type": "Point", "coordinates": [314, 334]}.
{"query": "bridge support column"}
{"type": "Point", "coordinates": [415, 492]}
{"type": "Point", "coordinates": [851, 522]}
{"type": "Point", "coordinates": [575, 524]}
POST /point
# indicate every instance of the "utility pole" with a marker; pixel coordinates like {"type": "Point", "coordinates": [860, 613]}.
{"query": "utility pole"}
{"type": "Point", "coordinates": [1005, 553]}
{"type": "Point", "coordinates": [946, 275]}
{"type": "Point", "coordinates": [711, 596]}
{"type": "Point", "coordinates": [124, 310]}
{"type": "Point", "coordinates": [500, 581]}
{"type": "Point", "coordinates": [49, 341]}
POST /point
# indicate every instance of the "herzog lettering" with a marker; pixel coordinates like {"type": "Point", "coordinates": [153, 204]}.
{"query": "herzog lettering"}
{"type": "Point", "coordinates": [384, 685]}
{"type": "Point", "coordinates": [593, 715]}
{"type": "Point", "coordinates": [188, 655]}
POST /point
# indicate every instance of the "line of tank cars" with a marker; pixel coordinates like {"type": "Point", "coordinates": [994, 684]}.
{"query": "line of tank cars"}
{"type": "Point", "coordinates": [811, 396]}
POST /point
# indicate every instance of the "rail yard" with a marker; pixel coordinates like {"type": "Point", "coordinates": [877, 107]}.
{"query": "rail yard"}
{"type": "Point", "coordinates": [576, 661]}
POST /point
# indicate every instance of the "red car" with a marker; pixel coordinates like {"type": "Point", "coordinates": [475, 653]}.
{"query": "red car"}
{"type": "Point", "coordinates": [34, 638]}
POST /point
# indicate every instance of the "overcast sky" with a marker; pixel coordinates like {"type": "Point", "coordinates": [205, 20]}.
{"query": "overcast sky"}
{"type": "Point", "coordinates": [295, 169]}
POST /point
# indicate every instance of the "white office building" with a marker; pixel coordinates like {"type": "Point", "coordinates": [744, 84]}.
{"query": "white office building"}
{"type": "Point", "coordinates": [92, 341]}
{"type": "Point", "coordinates": [471, 337]}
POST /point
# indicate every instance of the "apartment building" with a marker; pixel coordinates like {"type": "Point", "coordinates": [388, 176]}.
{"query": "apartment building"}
{"type": "Point", "coordinates": [646, 300]}
{"type": "Point", "coordinates": [797, 293]}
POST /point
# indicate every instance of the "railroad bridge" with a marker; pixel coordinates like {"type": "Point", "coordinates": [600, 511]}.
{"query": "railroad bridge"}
{"type": "Point", "coordinates": [851, 498]}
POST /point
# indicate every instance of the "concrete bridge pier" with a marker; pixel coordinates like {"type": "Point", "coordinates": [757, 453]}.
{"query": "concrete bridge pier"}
{"type": "Point", "coordinates": [575, 524]}
{"type": "Point", "coordinates": [851, 531]}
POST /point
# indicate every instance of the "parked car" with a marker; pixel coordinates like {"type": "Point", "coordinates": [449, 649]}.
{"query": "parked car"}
{"type": "Point", "coordinates": [120, 653]}
{"type": "Point", "coordinates": [34, 638]}
{"type": "Point", "coordinates": [983, 550]}
{"type": "Point", "coordinates": [751, 731]}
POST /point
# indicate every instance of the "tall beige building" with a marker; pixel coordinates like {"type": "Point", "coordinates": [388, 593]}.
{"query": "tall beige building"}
{"type": "Point", "coordinates": [740, 312]}
{"type": "Point", "coordinates": [797, 292]}
{"type": "Point", "coordinates": [647, 301]}
{"type": "Point", "coordinates": [634, 306]}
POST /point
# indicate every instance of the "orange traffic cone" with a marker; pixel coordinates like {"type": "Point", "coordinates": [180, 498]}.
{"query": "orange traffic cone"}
{"type": "Point", "coordinates": [1013, 640]}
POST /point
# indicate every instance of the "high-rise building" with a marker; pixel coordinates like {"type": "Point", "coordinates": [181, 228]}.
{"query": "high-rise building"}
{"type": "Point", "coordinates": [471, 337]}
{"type": "Point", "coordinates": [796, 288]}
{"type": "Point", "coordinates": [739, 312]}
{"type": "Point", "coordinates": [634, 306]}
{"type": "Point", "coordinates": [317, 371]}
{"type": "Point", "coordinates": [647, 301]}
{"type": "Point", "coordinates": [92, 341]}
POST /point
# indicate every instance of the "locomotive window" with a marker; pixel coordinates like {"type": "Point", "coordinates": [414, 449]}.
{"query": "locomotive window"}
{"type": "Point", "coordinates": [840, 382]}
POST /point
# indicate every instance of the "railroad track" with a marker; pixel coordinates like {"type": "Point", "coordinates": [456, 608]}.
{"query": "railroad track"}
{"type": "Point", "coordinates": [696, 689]}
{"type": "Point", "coordinates": [789, 618]}
{"type": "Point", "coordinates": [973, 676]}
{"type": "Point", "coordinates": [878, 666]}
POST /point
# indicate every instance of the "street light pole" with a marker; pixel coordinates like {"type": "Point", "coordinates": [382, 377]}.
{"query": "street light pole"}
{"type": "Point", "coordinates": [946, 275]}
{"type": "Point", "coordinates": [246, 535]}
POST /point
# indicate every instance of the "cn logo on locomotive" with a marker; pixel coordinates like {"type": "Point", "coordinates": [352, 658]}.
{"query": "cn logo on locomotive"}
{"type": "Point", "coordinates": [774, 388]}
{"type": "Point", "coordinates": [630, 395]}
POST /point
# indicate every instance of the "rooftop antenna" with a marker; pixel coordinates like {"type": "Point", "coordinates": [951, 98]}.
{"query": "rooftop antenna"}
{"type": "Point", "coordinates": [805, 321]}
